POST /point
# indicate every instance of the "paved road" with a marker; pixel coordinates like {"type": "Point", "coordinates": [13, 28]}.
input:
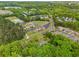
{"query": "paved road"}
{"type": "Point", "coordinates": [71, 36]}
{"type": "Point", "coordinates": [52, 27]}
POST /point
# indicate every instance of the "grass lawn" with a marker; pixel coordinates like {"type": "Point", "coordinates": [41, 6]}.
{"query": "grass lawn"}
{"type": "Point", "coordinates": [35, 36]}
{"type": "Point", "coordinates": [40, 23]}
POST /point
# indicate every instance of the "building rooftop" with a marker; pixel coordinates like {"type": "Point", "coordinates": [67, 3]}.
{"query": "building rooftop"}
{"type": "Point", "coordinates": [5, 12]}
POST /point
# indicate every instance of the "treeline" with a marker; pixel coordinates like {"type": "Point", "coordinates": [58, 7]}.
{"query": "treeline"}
{"type": "Point", "coordinates": [9, 31]}
{"type": "Point", "coordinates": [71, 25]}
{"type": "Point", "coordinates": [58, 45]}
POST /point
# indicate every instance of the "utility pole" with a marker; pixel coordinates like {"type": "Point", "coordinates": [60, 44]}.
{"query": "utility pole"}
{"type": "Point", "coordinates": [52, 25]}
